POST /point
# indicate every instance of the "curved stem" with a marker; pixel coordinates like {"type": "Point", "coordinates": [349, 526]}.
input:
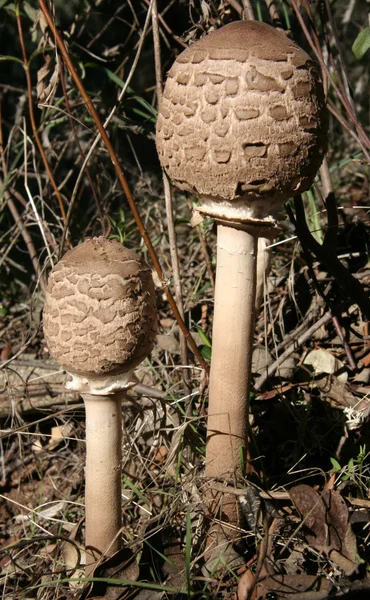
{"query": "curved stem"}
{"type": "Point", "coordinates": [103, 515]}
{"type": "Point", "coordinates": [123, 181]}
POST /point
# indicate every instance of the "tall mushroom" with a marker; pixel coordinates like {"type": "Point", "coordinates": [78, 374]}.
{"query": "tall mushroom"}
{"type": "Point", "coordinates": [100, 322]}
{"type": "Point", "coordinates": [242, 124]}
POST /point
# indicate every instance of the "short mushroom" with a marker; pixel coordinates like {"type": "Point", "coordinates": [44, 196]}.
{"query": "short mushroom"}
{"type": "Point", "coordinates": [100, 322]}
{"type": "Point", "coordinates": [242, 124]}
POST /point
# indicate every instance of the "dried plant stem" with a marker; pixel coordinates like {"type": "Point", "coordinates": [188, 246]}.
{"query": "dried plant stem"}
{"type": "Point", "coordinates": [275, 17]}
{"type": "Point", "coordinates": [18, 219]}
{"type": "Point", "coordinates": [30, 197]}
{"type": "Point", "coordinates": [105, 125]}
{"type": "Point", "coordinates": [248, 12]}
{"type": "Point", "coordinates": [168, 199]}
{"type": "Point", "coordinates": [271, 369]}
{"type": "Point", "coordinates": [32, 114]}
{"type": "Point", "coordinates": [166, 27]}
{"type": "Point", "coordinates": [342, 62]}
{"type": "Point", "coordinates": [122, 180]}
{"type": "Point", "coordinates": [236, 6]}
{"type": "Point", "coordinates": [73, 128]}
{"type": "Point", "coordinates": [26, 238]}
{"type": "Point", "coordinates": [363, 138]}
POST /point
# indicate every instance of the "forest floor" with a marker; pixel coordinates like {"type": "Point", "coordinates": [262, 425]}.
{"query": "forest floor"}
{"type": "Point", "coordinates": [306, 499]}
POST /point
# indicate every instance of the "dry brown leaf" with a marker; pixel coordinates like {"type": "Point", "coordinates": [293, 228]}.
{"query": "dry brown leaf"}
{"type": "Point", "coordinates": [336, 392]}
{"type": "Point", "coordinates": [308, 587]}
{"type": "Point", "coordinates": [47, 79]}
{"type": "Point", "coordinates": [310, 505]}
{"type": "Point", "coordinates": [122, 565]}
{"type": "Point", "coordinates": [330, 531]}
{"type": "Point", "coordinates": [245, 584]}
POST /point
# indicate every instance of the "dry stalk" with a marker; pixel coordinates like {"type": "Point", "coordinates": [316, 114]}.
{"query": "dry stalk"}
{"type": "Point", "coordinates": [73, 128]}
{"type": "Point", "coordinates": [123, 182]}
{"type": "Point", "coordinates": [17, 217]}
{"type": "Point", "coordinates": [248, 12]}
{"type": "Point", "coordinates": [32, 114]}
{"type": "Point", "coordinates": [169, 199]}
{"type": "Point", "coordinates": [105, 125]}
{"type": "Point", "coordinates": [275, 17]}
{"type": "Point", "coordinates": [363, 139]}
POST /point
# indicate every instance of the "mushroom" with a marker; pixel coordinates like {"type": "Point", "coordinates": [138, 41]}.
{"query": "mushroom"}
{"type": "Point", "coordinates": [242, 125]}
{"type": "Point", "coordinates": [100, 322]}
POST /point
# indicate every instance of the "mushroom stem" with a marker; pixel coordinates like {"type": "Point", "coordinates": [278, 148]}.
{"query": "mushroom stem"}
{"type": "Point", "coordinates": [103, 520]}
{"type": "Point", "coordinates": [232, 345]}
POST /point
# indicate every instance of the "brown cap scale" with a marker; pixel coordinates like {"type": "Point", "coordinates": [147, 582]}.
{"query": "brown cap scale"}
{"type": "Point", "coordinates": [100, 313]}
{"type": "Point", "coordinates": [242, 124]}
{"type": "Point", "coordinates": [100, 322]}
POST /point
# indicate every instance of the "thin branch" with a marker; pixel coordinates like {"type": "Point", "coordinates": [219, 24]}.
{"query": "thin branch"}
{"type": "Point", "coordinates": [123, 181]}
{"type": "Point", "coordinates": [168, 196]}
{"type": "Point", "coordinates": [236, 6]}
{"type": "Point", "coordinates": [18, 219]}
{"type": "Point", "coordinates": [271, 369]}
{"type": "Point", "coordinates": [32, 114]}
{"type": "Point", "coordinates": [106, 123]}
{"type": "Point", "coordinates": [364, 140]}
{"type": "Point", "coordinates": [248, 13]}
{"type": "Point", "coordinates": [275, 17]}
{"type": "Point", "coordinates": [73, 128]}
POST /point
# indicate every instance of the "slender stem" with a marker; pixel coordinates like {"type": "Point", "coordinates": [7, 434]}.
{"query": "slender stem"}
{"type": "Point", "coordinates": [103, 516]}
{"type": "Point", "coordinates": [248, 10]}
{"type": "Point", "coordinates": [232, 345]}
{"type": "Point", "coordinates": [175, 263]}
{"type": "Point", "coordinates": [32, 114]}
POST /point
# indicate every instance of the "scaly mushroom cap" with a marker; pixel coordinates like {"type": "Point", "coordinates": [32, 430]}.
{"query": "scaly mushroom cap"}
{"type": "Point", "coordinates": [100, 315]}
{"type": "Point", "coordinates": [242, 122]}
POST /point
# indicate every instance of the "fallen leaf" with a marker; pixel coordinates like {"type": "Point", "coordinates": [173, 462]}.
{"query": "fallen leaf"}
{"type": "Point", "coordinates": [122, 565]}
{"type": "Point", "coordinates": [342, 540]}
{"type": "Point", "coordinates": [310, 505]}
{"type": "Point", "coordinates": [168, 343]}
{"type": "Point", "coordinates": [327, 519]}
{"type": "Point", "coordinates": [323, 361]}
{"type": "Point", "coordinates": [245, 584]}
{"type": "Point", "coordinates": [365, 360]}
{"type": "Point", "coordinates": [160, 454]}
{"type": "Point", "coordinates": [58, 434]}
{"type": "Point", "coordinates": [336, 392]}
{"type": "Point", "coordinates": [308, 587]}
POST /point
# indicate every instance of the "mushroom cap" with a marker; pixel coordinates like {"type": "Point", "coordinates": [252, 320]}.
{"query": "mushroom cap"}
{"type": "Point", "coordinates": [242, 122]}
{"type": "Point", "coordinates": [100, 316]}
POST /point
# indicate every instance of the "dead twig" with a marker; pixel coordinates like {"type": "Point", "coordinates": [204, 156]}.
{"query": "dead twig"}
{"type": "Point", "coordinates": [32, 114]}
{"type": "Point", "coordinates": [18, 219]}
{"type": "Point", "coordinates": [270, 370]}
{"type": "Point", "coordinates": [169, 200]}
{"type": "Point", "coordinates": [123, 182]}
{"type": "Point", "coordinates": [248, 12]}
{"type": "Point", "coordinates": [362, 136]}
{"type": "Point", "coordinates": [275, 17]}
{"type": "Point", "coordinates": [73, 128]}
